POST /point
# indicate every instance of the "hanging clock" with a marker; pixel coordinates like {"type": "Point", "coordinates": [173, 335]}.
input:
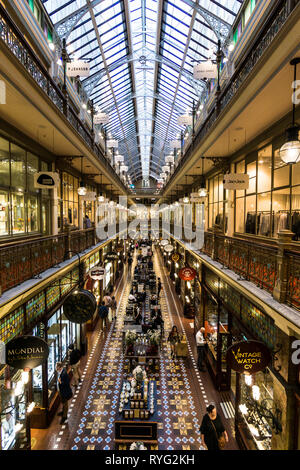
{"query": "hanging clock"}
{"type": "Point", "coordinates": [80, 306]}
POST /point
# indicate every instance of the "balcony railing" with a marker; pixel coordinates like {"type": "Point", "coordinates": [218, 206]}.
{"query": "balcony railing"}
{"type": "Point", "coordinates": [271, 266]}
{"type": "Point", "coordinates": [14, 40]}
{"type": "Point", "coordinates": [26, 260]}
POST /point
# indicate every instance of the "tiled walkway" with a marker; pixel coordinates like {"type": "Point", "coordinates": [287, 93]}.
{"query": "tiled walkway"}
{"type": "Point", "coordinates": [183, 392]}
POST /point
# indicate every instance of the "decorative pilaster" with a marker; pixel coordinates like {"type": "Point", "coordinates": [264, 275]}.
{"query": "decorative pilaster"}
{"type": "Point", "coordinates": [284, 241]}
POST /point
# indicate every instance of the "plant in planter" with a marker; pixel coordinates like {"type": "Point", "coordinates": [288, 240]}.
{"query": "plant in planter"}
{"type": "Point", "coordinates": [154, 338]}
{"type": "Point", "coordinates": [130, 338]}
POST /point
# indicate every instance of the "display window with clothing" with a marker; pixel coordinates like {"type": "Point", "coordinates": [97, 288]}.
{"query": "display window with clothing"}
{"type": "Point", "coordinates": [272, 201]}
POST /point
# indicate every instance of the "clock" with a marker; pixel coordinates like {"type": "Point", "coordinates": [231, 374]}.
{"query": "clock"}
{"type": "Point", "coordinates": [80, 306]}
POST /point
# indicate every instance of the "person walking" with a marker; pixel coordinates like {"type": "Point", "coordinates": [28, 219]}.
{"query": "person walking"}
{"type": "Point", "coordinates": [65, 391]}
{"type": "Point", "coordinates": [113, 307]}
{"type": "Point", "coordinates": [173, 338]}
{"type": "Point", "coordinates": [103, 314]}
{"type": "Point", "coordinates": [74, 361]}
{"type": "Point", "coordinates": [213, 433]}
{"type": "Point", "coordinates": [87, 222]}
{"type": "Point", "coordinates": [201, 343]}
{"type": "Point", "coordinates": [158, 286]}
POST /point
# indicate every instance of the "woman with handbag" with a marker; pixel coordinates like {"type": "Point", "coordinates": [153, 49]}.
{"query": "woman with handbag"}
{"type": "Point", "coordinates": [213, 434]}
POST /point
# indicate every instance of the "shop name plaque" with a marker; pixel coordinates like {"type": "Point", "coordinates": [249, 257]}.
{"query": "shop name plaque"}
{"type": "Point", "coordinates": [26, 352]}
{"type": "Point", "coordinates": [248, 357]}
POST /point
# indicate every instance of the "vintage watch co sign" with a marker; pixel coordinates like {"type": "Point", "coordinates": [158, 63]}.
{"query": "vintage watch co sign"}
{"type": "Point", "coordinates": [80, 306]}
{"type": "Point", "coordinates": [26, 352]}
{"type": "Point", "coordinates": [248, 357]}
{"type": "Point", "coordinates": [97, 273]}
{"type": "Point", "coordinates": [187, 274]}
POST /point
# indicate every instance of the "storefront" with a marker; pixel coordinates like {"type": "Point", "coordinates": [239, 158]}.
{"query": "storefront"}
{"type": "Point", "coordinates": [264, 405]}
{"type": "Point", "coordinates": [23, 209]}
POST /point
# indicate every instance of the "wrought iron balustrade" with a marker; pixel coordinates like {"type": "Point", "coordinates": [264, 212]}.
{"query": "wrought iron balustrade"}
{"type": "Point", "coordinates": [27, 259]}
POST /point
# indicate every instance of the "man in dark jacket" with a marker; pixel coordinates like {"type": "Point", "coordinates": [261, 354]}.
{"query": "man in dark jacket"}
{"type": "Point", "coordinates": [74, 361]}
{"type": "Point", "coordinates": [103, 314]}
{"type": "Point", "coordinates": [65, 391]}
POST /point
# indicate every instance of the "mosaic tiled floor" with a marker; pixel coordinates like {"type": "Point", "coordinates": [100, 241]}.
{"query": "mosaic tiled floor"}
{"type": "Point", "coordinates": [182, 395]}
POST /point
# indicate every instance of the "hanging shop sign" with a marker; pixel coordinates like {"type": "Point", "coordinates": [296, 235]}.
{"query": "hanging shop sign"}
{"type": "Point", "coordinates": [46, 180]}
{"type": "Point", "coordinates": [164, 242]}
{"type": "Point", "coordinates": [112, 143]}
{"type": "Point", "coordinates": [111, 256]}
{"type": "Point", "coordinates": [185, 120]}
{"type": "Point", "coordinates": [236, 181]}
{"type": "Point", "coordinates": [78, 68]}
{"type": "Point", "coordinates": [119, 158]}
{"type": "Point", "coordinates": [169, 159]}
{"type": "Point", "coordinates": [97, 273]}
{"type": "Point", "coordinates": [248, 357]}
{"type": "Point", "coordinates": [26, 352]}
{"type": "Point", "coordinates": [187, 273]}
{"type": "Point", "coordinates": [205, 70]}
{"type": "Point", "coordinates": [168, 248]}
{"type": "Point", "coordinates": [175, 144]}
{"type": "Point", "coordinates": [175, 257]}
{"type": "Point", "coordinates": [80, 306]}
{"type": "Point", "coordinates": [89, 196]}
{"type": "Point", "coordinates": [101, 118]}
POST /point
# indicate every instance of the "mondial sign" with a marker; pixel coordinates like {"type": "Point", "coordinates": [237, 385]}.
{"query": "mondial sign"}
{"type": "Point", "coordinates": [26, 352]}
{"type": "Point", "coordinates": [248, 357]}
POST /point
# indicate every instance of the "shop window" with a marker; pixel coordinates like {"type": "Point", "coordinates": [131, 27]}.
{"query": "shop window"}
{"type": "Point", "coordinates": [32, 168]}
{"type": "Point", "coordinates": [45, 216]}
{"type": "Point", "coordinates": [211, 330]}
{"type": "Point", "coordinates": [4, 213]}
{"type": "Point", "coordinates": [32, 214]}
{"type": "Point", "coordinates": [240, 215]}
{"type": "Point", "coordinates": [4, 163]}
{"type": "Point", "coordinates": [281, 210]}
{"type": "Point", "coordinates": [18, 212]}
{"type": "Point", "coordinates": [18, 167]}
{"type": "Point", "coordinates": [251, 171]}
{"type": "Point", "coordinates": [264, 220]}
{"type": "Point", "coordinates": [256, 394]}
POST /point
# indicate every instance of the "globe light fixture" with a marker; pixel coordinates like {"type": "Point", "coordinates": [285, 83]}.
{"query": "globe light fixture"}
{"type": "Point", "coordinates": [82, 190]}
{"type": "Point", "coordinates": [290, 151]}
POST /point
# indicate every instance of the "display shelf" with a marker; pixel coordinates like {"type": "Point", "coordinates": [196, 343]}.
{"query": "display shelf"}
{"type": "Point", "coordinates": [138, 407]}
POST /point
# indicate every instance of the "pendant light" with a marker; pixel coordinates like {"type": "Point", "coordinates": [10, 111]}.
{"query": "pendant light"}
{"type": "Point", "coordinates": [290, 151]}
{"type": "Point", "coordinates": [82, 190]}
{"type": "Point", "coordinates": [202, 191]}
{"type": "Point", "coordinates": [101, 197]}
{"type": "Point", "coordinates": [186, 198]}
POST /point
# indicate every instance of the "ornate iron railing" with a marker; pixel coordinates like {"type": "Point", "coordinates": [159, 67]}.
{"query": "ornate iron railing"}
{"type": "Point", "coordinates": [27, 259]}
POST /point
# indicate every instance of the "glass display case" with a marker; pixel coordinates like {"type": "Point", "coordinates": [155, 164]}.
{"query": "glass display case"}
{"type": "Point", "coordinates": [255, 410]}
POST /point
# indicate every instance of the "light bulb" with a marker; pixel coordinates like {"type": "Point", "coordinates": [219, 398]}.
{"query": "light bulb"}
{"type": "Point", "coordinates": [255, 392]}
{"type": "Point", "coordinates": [290, 152]}
{"type": "Point", "coordinates": [243, 409]}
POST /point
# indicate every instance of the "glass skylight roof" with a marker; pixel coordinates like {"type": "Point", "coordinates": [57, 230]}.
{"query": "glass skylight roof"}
{"type": "Point", "coordinates": [141, 57]}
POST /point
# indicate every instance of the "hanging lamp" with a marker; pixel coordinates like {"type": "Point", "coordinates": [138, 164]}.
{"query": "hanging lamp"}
{"type": "Point", "coordinates": [202, 191]}
{"type": "Point", "coordinates": [290, 151]}
{"type": "Point", "coordinates": [82, 190]}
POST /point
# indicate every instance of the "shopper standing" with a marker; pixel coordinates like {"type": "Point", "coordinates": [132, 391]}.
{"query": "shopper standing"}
{"type": "Point", "coordinates": [173, 339]}
{"type": "Point", "coordinates": [113, 307]}
{"type": "Point", "coordinates": [200, 341]}
{"type": "Point", "coordinates": [103, 314]}
{"type": "Point", "coordinates": [74, 360]}
{"type": "Point", "coordinates": [65, 391]}
{"type": "Point", "coordinates": [213, 433]}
